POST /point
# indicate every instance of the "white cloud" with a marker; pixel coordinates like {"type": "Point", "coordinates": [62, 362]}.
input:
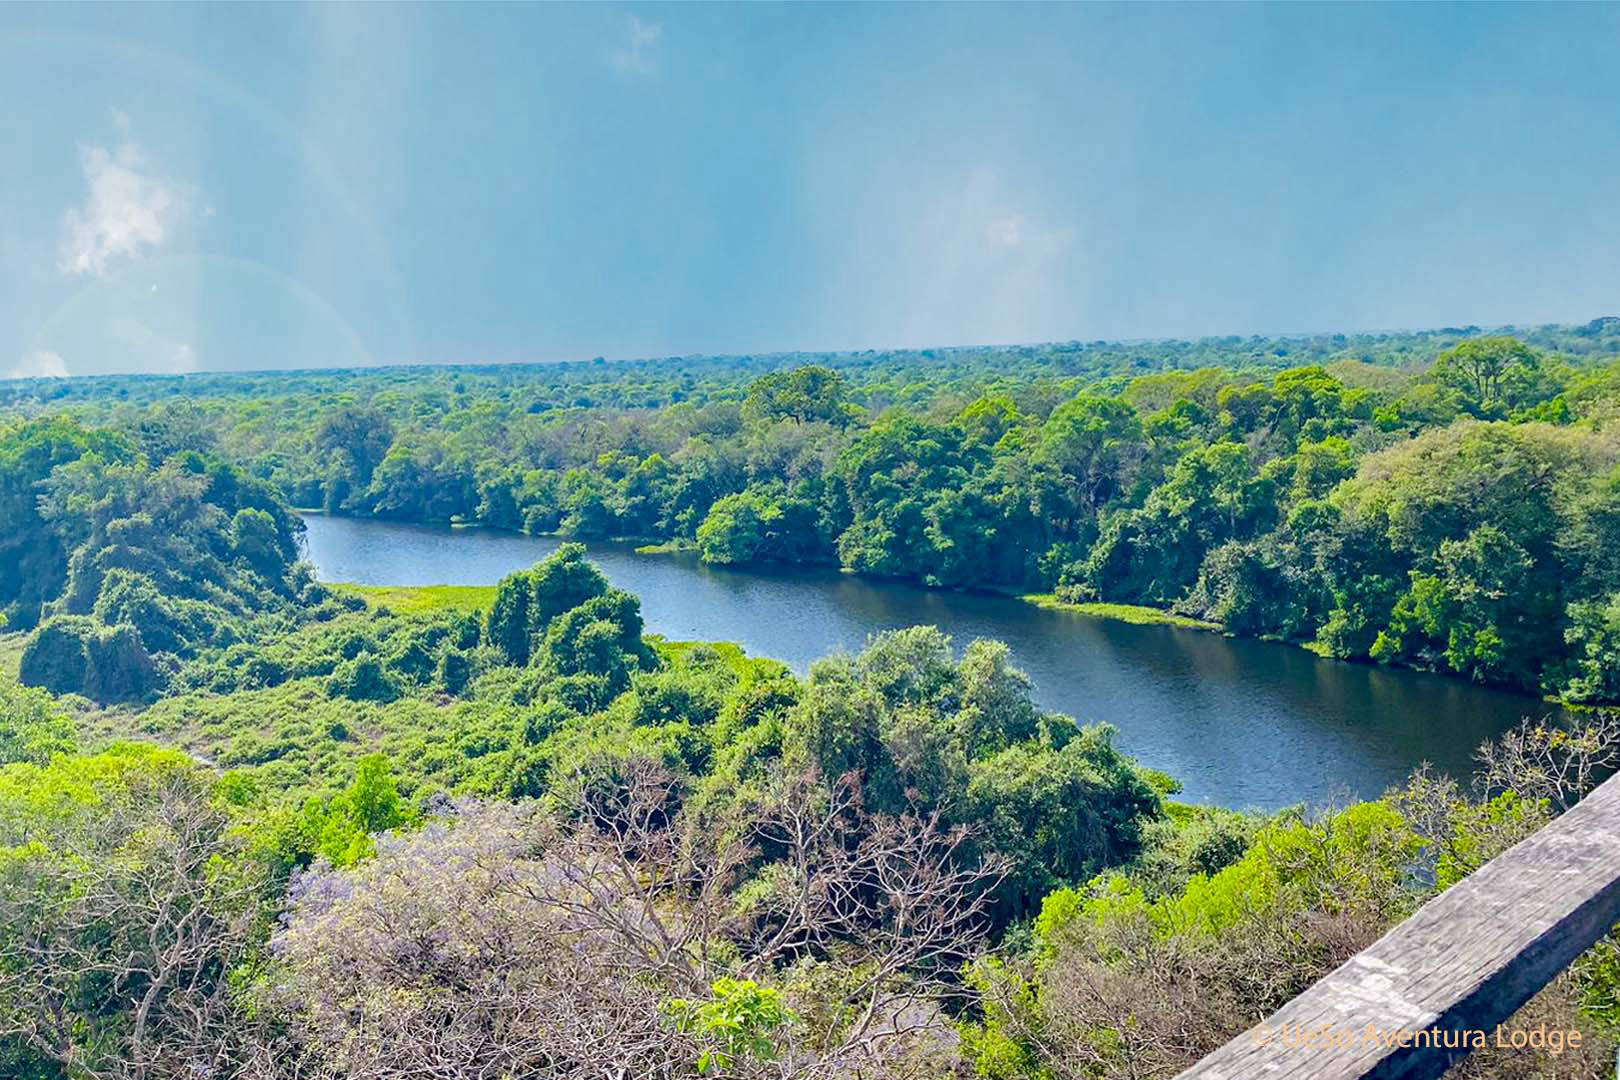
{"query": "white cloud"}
{"type": "Point", "coordinates": [40, 364]}
{"type": "Point", "coordinates": [639, 52]}
{"type": "Point", "coordinates": [129, 210]}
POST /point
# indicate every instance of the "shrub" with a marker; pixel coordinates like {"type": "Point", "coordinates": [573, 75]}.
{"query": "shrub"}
{"type": "Point", "coordinates": [413, 661]}
{"type": "Point", "coordinates": [71, 654]}
{"type": "Point", "coordinates": [120, 669]}
{"type": "Point", "coordinates": [255, 539]}
{"type": "Point", "coordinates": [455, 672]}
{"type": "Point", "coordinates": [362, 680]}
{"type": "Point", "coordinates": [526, 602]}
{"type": "Point", "coordinates": [31, 729]}
{"type": "Point", "coordinates": [55, 656]}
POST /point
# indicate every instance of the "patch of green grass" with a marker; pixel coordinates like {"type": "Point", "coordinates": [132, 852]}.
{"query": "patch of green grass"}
{"type": "Point", "coordinates": [745, 667]}
{"type": "Point", "coordinates": [1131, 613]}
{"type": "Point", "coordinates": [668, 547]}
{"type": "Point", "coordinates": [11, 650]}
{"type": "Point", "coordinates": [423, 599]}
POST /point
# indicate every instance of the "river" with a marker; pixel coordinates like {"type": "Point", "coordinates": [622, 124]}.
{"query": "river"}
{"type": "Point", "coordinates": [1240, 723]}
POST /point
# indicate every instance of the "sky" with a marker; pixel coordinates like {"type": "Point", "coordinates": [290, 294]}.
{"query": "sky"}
{"type": "Point", "coordinates": [240, 187]}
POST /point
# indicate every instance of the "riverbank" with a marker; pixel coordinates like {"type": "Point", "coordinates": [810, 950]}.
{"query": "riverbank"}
{"type": "Point", "coordinates": [411, 600]}
{"type": "Point", "coordinates": [468, 599]}
{"type": "Point", "coordinates": [1128, 614]}
{"type": "Point", "coordinates": [1135, 614]}
{"type": "Point", "coordinates": [427, 599]}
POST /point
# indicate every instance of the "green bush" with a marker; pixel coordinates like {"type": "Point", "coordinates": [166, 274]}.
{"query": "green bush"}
{"type": "Point", "coordinates": [413, 661]}
{"type": "Point", "coordinates": [55, 656]}
{"type": "Point", "coordinates": [455, 672]}
{"type": "Point", "coordinates": [362, 679]}
{"type": "Point", "coordinates": [31, 728]}
{"type": "Point", "coordinates": [119, 669]}
{"type": "Point", "coordinates": [526, 602]}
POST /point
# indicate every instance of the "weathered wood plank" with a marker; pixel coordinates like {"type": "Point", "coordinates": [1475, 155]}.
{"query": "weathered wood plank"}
{"type": "Point", "coordinates": [1462, 963]}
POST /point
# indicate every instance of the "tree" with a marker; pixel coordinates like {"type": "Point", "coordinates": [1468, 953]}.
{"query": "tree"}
{"type": "Point", "coordinates": [126, 900]}
{"type": "Point", "coordinates": [33, 556]}
{"type": "Point", "coordinates": [986, 420]}
{"type": "Point", "coordinates": [55, 656]}
{"type": "Point", "coordinates": [1487, 370]}
{"type": "Point", "coordinates": [891, 474]}
{"type": "Point", "coordinates": [32, 729]}
{"type": "Point", "coordinates": [827, 967]}
{"type": "Point", "coordinates": [760, 525]}
{"type": "Point", "coordinates": [254, 538]}
{"type": "Point", "coordinates": [1469, 615]}
{"type": "Point", "coordinates": [587, 501]}
{"type": "Point", "coordinates": [1594, 639]}
{"type": "Point", "coordinates": [802, 395]}
{"type": "Point", "coordinates": [1121, 985]}
{"type": "Point", "coordinates": [1093, 441]}
{"type": "Point", "coordinates": [1470, 523]}
{"type": "Point", "coordinates": [734, 531]}
{"type": "Point", "coordinates": [1244, 587]}
{"type": "Point", "coordinates": [927, 731]}
{"type": "Point", "coordinates": [1152, 555]}
{"type": "Point", "coordinates": [562, 581]}
{"type": "Point", "coordinates": [737, 1023]}
{"type": "Point", "coordinates": [509, 623]}
{"type": "Point", "coordinates": [527, 601]}
{"type": "Point", "coordinates": [352, 441]}
{"type": "Point", "coordinates": [600, 641]}
{"type": "Point", "coordinates": [119, 667]}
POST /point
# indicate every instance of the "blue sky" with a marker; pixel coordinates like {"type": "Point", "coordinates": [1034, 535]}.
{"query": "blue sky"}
{"type": "Point", "coordinates": [240, 186]}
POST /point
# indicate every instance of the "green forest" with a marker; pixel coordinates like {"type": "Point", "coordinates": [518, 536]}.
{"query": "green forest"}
{"type": "Point", "coordinates": [1441, 500]}
{"type": "Point", "coordinates": [258, 826]}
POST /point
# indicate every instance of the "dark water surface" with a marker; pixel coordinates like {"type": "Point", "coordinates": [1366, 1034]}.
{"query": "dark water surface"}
{"type": "Point", "coordinates": [1239, 722]}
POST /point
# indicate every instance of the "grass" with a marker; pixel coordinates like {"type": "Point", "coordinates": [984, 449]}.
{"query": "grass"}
{"type": "Point", "coordinates": [1131, 613]}
{"type": "Point", "coordinates": [11, 650]}
{"type": "Point", "coordinates": [734, 656]}
{"type": "Point", "coordinates": [668, 547]}
{"type": "Point", "coordinates": [423, 599]}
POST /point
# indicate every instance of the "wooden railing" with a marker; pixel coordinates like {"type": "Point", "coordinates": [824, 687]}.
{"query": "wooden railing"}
{"type": "Point", "coordinates": [1409, 1005]}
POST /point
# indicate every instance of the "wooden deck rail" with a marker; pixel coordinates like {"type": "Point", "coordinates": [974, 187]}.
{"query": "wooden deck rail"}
{"type": "Point", "coordinates": [1464, 963]}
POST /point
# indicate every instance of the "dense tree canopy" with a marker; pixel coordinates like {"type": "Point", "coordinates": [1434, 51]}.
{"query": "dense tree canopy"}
{"type": "Point", "coordinates": [1242, 481]}
{"type": "Point", "coordinates": [136, 566]}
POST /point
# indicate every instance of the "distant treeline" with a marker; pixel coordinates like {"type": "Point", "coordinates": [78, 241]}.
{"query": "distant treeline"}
{"type": "Point", "coordinates": [879, 377]}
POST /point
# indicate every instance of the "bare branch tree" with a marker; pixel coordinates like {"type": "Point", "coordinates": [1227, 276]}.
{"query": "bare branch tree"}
{"type": "Point", "coordinates": [120, 929]}
{"type": "Point", "coordinates": [525, 942]}
{"type": "Point", "coordinates": [1558, 763]}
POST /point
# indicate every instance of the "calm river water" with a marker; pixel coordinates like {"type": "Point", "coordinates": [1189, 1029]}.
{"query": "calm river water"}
{"type": "Point", "coordinates": [1241, 723]}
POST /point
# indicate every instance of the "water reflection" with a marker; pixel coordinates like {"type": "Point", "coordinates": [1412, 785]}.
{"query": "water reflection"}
{"type": "Point", "coordinates": [1240, 723]}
